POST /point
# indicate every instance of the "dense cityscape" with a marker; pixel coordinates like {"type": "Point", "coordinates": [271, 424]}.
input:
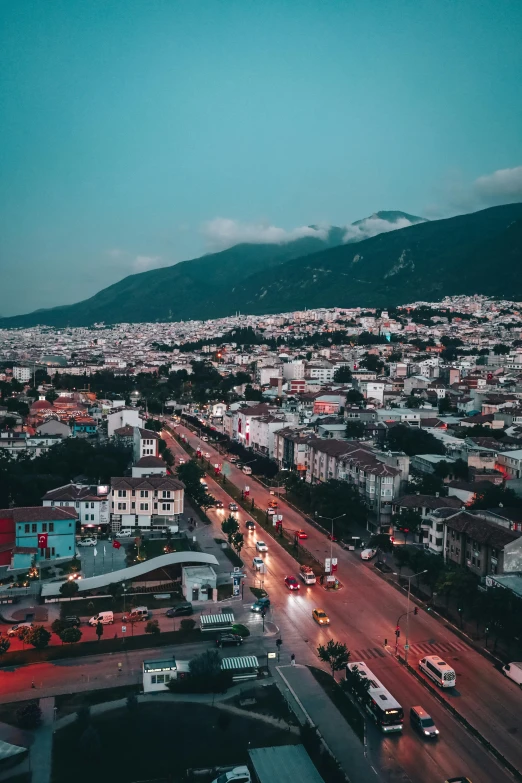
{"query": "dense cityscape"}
{"type": "Point", "coordinates": [270, 481]}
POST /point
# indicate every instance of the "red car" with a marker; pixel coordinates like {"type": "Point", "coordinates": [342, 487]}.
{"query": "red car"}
{"type": "Point", "coordinates": [291, 582]}
{"type": "Point", "coordinates": [301, 534]}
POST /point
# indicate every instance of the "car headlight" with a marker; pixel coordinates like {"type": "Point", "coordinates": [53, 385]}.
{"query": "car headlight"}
{"type": "Point", "coordinates": [437, 731]}
{"type": "Point", "coordinates": [426, 732]}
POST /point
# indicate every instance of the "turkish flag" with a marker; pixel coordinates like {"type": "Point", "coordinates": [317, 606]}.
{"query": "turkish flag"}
{"type": "Point", "coordinates": [116, 544]}
{"type": "Point", "coordinates": [42, 541]}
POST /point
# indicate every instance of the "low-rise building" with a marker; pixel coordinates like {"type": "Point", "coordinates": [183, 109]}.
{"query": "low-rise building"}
{"type": "Point", "coordinates": [476, 543]}
{"type": "Point", "coordinates": [89, 501]}
{"type": "Point", "coordinates": [154, 502]}
{"type": "Point", "coordinates": [40, 534]}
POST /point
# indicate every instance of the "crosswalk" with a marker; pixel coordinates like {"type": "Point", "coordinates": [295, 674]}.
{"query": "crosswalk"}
{"type": "Point", "coordinates": [421, 648]}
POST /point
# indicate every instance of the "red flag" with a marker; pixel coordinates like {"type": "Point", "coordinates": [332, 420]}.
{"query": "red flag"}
{"type": "Point", "coordinates": [42, 541]}
{"type": "Point", "coordinates": [116, 544]}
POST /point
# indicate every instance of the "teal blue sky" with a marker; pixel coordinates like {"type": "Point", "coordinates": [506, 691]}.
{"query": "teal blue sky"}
{"type": "Point", "coordinates": [138, 133]}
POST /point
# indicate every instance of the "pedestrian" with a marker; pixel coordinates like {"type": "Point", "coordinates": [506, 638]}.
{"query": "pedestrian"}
{"type": "Point", "coordinates": [292, 659]}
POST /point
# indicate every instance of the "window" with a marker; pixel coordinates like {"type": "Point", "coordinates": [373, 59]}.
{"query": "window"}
{"type": "Point", "coordinates": [144, 493]}
{"type": "Point", "coordinates": [92, 505]}
{"type": "Point", "coordinates": [51, 527]}
{"type": "Point", "coordinates": [155, 506]}
{"type": "Point", "coordinates": [133, 505]}
{"type": "Point", "coordinates": [52, 502]}
{"type": "Point", "coordinates": [92, 517]}
{"type": "Point", "coordinates": [33, 528]}
{"type": "Point", "coordinates": [122, 493]}
{"type": "Point", "coordinates": [26, 528]}
{"type": "Point", "coordinates": [160, 678]}
{"type": "Point", "coordinates": [52, 551]}
{"type": "Point", "coordinates": [438, 542]}
{"type": "Point", "coordinates": [86, 505]}
{"type": "Point", "coordinates": [144, 506]}
{"type": "Point", "coordinates": [44, 527]}
{"type": "Point", "coordinates": [165, 506]}
{"type": "Point", "coordinates": [122, 506]}
{"type": "Point", "coordinates": [166, 493]}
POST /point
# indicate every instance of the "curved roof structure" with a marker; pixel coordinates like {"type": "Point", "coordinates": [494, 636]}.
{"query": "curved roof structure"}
{"type": "Point", "coordinates": [132, 572]}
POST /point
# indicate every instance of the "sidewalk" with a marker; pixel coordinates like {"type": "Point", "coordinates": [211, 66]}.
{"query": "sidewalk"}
{"type": "Point", "coordinates": [315, 706]}
{"type": "Point", "coordinates": [42, 749]}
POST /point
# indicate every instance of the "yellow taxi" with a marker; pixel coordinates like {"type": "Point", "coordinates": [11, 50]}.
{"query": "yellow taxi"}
{"type": "Point", "coordinates": [321, 617]}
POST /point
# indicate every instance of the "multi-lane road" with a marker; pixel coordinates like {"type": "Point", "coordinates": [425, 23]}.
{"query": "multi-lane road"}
{"type": "Point", "coordinates": [363, 614]}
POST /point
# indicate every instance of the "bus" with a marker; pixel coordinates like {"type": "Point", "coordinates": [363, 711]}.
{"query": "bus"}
{"type": "Point", "coordinates": [384, 709]}
{"type": "Point", "coordinates": [438, 670]}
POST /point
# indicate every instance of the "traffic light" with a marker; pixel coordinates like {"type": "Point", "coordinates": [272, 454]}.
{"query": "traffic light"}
{"type": "Point", "coordinates": [386, 642]}
{"type": "Point", "coordinates": [416, 610]}
{"type": "Point", "coordinates": [279, 642]}
{"type": "Point", "coordinates": [397, 632]}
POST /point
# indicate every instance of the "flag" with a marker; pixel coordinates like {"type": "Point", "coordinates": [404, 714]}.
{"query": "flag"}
{"type": "Point", "coordinates": [95, 552]}
{"type": "Point", "coordinates": [116, 544]}
{"type": "Point", "coordinates": [42, 541]}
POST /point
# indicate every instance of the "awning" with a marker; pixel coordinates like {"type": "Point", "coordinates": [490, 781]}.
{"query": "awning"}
{"type": "Point", "coordinates": [240, 662]}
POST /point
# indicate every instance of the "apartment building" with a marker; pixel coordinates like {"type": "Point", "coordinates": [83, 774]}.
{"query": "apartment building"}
{"type": "Point", "coordinates": [22, 374]}
{"type": "Point", "coordinates": [510, 463]}
{"type": "Point", "coordinates": [122, 417]}
{"type": "Point", "coordinates": [145, 503]}
{"type": "Point", "coordinates": [88, 501]}
{"type": "Point", "coordinates": [477, 544]}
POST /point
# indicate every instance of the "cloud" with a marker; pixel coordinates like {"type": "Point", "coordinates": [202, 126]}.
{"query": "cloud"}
{"type": "Point", "coordinates": [504, 186]}
{"type": "Point", "coordinates": [224, 232]}
{"type": "Point", "coordinates": [116, 252]}
{"type": "Point", "coordinates": [144, 263]}
{"type": "Point", "coordinates": [370, 227]}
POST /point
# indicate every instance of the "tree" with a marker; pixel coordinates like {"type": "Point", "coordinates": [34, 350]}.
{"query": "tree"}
{"type": "Point", "coordinates": [445, 404]}
{"type": "Point", "coordinates": [29, 715]}
{"type": "Point", "coordinates": [382, 543]}
{"type": "Point", "coordinates": [70, 635]}
{"type": "Point", "coordinates": [99, 630]}
{"type": "Point", "coordinates": [168, 458]}
{"type": "Point", "coordinates": [413, 440]}
{"type": "Point", "coordinates": [187, 624]}
{"type": "Point", "coordinates": [461, 470]}
{"type": "Point", "coordinates": [238, 541]}
{"type": "Point", "coordinates": [152, 627]}
{"type": "Point", "coordinates": [51, 396]}
{"type": "Point", "coordinates": [206, 674]}
{"type": "Point", "coordinates": [230, 527]}
{"type": "Point", "coordinates": [335, 654]}
{"type": "Point", "coordinates": [342, 375]}
{"type": "Point", "coordinates": [115, 590]}
{"type": "Point", "coordinates": [493, 496]}
{"type": "Point", "coordinates": [38, 637]}
{"type": "Point", "coordinates": [402, 557]}
{"type": "Point", "coordinates": [4, 646]}
{"type": "Point", "coordinates": [69, 589]}
{"type": "Point", "coordinates": [372, 363]}
{"type": "Point", "coordinates": [58, 626]}
{"type": "Point", "coordinates": [407, 522]}
{"type": "Point", "coordinates": [354, 397]}
{"type": "Point", "coordinates": [500, 349]}
{"type": "Point", "coordinates": [354, 429]}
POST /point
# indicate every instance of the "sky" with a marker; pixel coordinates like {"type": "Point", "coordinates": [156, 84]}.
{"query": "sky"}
{"type": "Point", "coordinates": [138, 133]}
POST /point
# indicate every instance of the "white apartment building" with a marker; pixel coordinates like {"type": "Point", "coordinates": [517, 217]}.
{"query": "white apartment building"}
{"type": "Point", "coordinates": [145, 443]}
{"type": "Point", "coordinates": [123, 417]}
{"type": "Point", "coordinates": [145, 503]}
{"type": "Point", "coordinates": [89, 501]}
{"type": "Point", "coordinates": [22, 374]}
{"type": "Point", "coordinates": [294, 371]}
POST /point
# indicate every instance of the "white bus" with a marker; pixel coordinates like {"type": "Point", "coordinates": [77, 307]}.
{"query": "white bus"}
{"type": "Point", "coordinates": [384, 709]}
{"type": "Point", "coordinates": [438, 670]}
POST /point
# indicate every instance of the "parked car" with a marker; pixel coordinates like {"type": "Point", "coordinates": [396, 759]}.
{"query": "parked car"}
{"type": "Point", "coordinates": [260, 604]}
{"type": "Point", "coordinates": [261, 546]}
{"type": "Point", "coordinates": [236, 775]}
{"type": "Point", "coordinates": [229, 639]}
{"type": "Point", "coordinates": [232, 506]}
{"type": "Point", "coordinates": [138, 614]}
{"type": "Point", "coordinates": [250, 525]}
{"type": "Point", "coordinates": [233, 460]}
{"type": "Point", "coordinates": [320, 617]}
{"type": "Point", "coordinates": [423, 723]}
{"type": "Point", "coordinates": [185, 608]}
{"type": "Point", "coordinates": [367, 554]}
{"type": "Point", "coordinates": [88, 542]}
{"type": "Point", "coordinates": [292, 583]}
{"type": "Point", "coordinates": [204, 438]}
{"type": "Point", "coordinates": [514, 672]}
{"type": "Point", "coordinates": [72, 621]}
{"type": "Point", "coordinates": [258, 563]}
{"type": "Point", "coordinates": [126, 533]}
{"type": "Point", "coordinates": [16, 629]}
{"type": "Point", "coordinates": [105, 618]}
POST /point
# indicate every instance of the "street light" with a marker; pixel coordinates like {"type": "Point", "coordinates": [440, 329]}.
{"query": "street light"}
{"type": "Point", "coordinates": [332, 520]}
{"type": "Point", "coordinates": [407, 645]}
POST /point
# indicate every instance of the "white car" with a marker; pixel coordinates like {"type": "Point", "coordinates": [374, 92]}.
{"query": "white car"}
{"type": "Point", "coordinates": [258, 563]}
{"type": "Point", "coordinates": [204, 438]}
{"type": "Point", "coordinates": [124, 533]}
{"type": "Point", "coordinates": [236, 775]}
{"type": "Point", "coordinates": [87, 542]}
{"type": "Point", "coordinates": [206, 455]}
{"type": "Point", "coordinates": [261, 546]}
{"type": "Point", "coordinates": [367, 554]}
{"type": "Point", "coordinates": [270, 511]}
{"type": "Point", "coordinates": [15, 629]}
{"type": "Point", "coordinates": [181, 460]}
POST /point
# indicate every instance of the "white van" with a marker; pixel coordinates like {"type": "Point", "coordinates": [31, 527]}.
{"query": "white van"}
{"type": "Point", "coordinates": [514, 672]}
{"type": "Point", "coordinates": [125, 533]}
{"type": "Point", "coordinates": [438, 670]}
{"type": "Point", "coordinates": [307, 575]}
{"type": "Point", "coordinates": [247, 469]}
{"type": "Point", "coordinates": [105, 618]}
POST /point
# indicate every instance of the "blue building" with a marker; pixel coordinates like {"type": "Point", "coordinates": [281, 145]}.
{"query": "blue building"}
{"type": "Point", "coordinates": [41, 534]}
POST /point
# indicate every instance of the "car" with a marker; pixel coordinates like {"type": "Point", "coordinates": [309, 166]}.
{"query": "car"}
{"type": "Point", "coordinates": [270, 511]}
{"type": "Point", "coordinates": [258, 563]}
{"type": "Point", "coordinates": [232, 506]}
{"type": "Point", "coordinates": [181, 460]}
{"type": "Point", "coordinates": [301, 534]}
{"type": "Point", "coordinates": [332, 537]}
{"type": "Point", "coordinates": [206, 455]}
{"type": "Point", "coordinates": [218, 503]}
{"type": "Point", "coordinates": [88, 542]}
{"type": "Point", "coordinates": [423, 723]}
{"type": "Point", "coordinates": [204, 485]}
{"type": "Point", "coordinates": [126, 533]}
{"type": "Point", "coordinates": [181, 609]}
{"type": "Point", "coordinates": [260, 604]}
{"type": "Point", "coordinates": [250, 525]}
{"type": "Point", "coordinates": [15, 630]}
{"type": "Point", "coordinates": [320, 617]}
{"type": "Point", "coordinates": [292, 583]}
{"type": "Point", "coordinates": [367, 554]}
{"type": "Point", "coordinates": [261, 546]}
{"type": "Point", "coordinates": [72, 621]}
{"type": "Point", "coordinates": [239, 465]}
{"type": "Point", "coordinates": [236, 775]}
{"type": "Point", "coordinates": [204, 438]}
{"type": "Point", "coordinates": [272, 504]}
{"type": "Point", "coordinates": [229, 640]}
{"type": "Point", "coordinates": [458, 780]}
{"type": "Point", "coordinates": [233, 460]}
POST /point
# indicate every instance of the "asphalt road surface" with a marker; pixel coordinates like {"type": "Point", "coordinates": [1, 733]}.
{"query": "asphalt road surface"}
{"type": "Point", "coordinates": [363, 613]}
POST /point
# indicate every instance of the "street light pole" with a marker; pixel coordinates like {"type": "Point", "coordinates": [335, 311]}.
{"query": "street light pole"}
{"type": "Point", "coordinates": [332, 520]}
